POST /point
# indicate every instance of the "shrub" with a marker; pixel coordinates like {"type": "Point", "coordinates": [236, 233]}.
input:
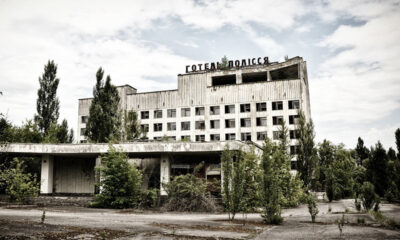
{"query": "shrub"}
{"type": "Point", "coordinates": [360, 220]}
{"type": "Point", "coordinates": [150, 198]}
{"type": "Point", "coordinates": [188, 193]}
{"type": "Point", "coordinates": [312, 206]}
{"type": "Point", "coordinates": [368, 195]}
{"type": "Point", "coordinates": [357, 204]}
{"type": "Point", "coordinates": [120, 181]}
{"type": "Point", "coordinates": [20, 186]}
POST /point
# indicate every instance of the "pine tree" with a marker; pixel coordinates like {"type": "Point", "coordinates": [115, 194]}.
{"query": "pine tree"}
{"type": "Point", "coordinates": [47, 104]}
{"type": "Point", "coordinates": [362, 152]}
{"type": "Point", "coordinates": [397, 135]}
{"type": "Point", "coordinates": [104, 120]}
{"type": "Point", "coordinates": [377, 169]}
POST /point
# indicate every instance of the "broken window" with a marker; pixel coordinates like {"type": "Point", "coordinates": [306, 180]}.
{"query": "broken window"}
{"type": "Point", "coordinates": [200, 138]}
{"type": "Point", "coordinates": [261, 107]}
{"type": "Point", "coordinates": [144, 115]}
{"type": "Point", "coordinates": [84, 119]}
{"type": "Point", "coordinates": [185, 138]}
{"type": "Point", "coordinates": [229, 123]}
{"type": "Point", "coordinates": [157, 127]}
{"type": "Point", "coordinates": [293, 119]}
{"type": "Point", "coordinates": [229, 108]}
{"type": "Point", "coordinates": [214, 137]}
{"type": "Point", "coordinates": [245, 122]}
{"type": "Point", "coordinates": [200, 125]}
{"type": "Point", "coordinates": [294, 104]}
{"type": "Point", "coordinates": [293, 165]}
{"type": "Point", "coordinates": [261, 136]}
{"type": "Point", "coordinates": [230, 136]}
{"type": "Point", "coordinates": [185, 112]}
{"type": "Point", "coordinates": [246, 136]}
{"type": "Point", "coordinates": [261, 121]}
{"type": "Point", "coordinates": [171, 126]}
{"type": "Point", "coordinates": [254, 77]}
{"type": "Point", "coordinates": [199, 111]}
{"type": "Point", "coordinates": [144, 127]}
{"type": "Point", "coordinates": [83, 130]}
{"type": "Point", "coordinates": [294, 134]}
{"type": "Point", "coordinates": [171, 138]}
{"type": "Point", "coordinates": [223, 80]}
{"type": "Point", "coordinates": [277, 120]}
{"type": "Point", "coordinates": [294, 149]}
{"type": "Point", "coordinates": [171, 113]}
{"type": "Point", "coordinates": [214, 110]}
{"type": "Point", "coordinates": [245, 107]}
{"type": "Point", "coordinates": [157, 113]}
{"type": "Point", "coordinates": [214, 124]}
{"type": "Point", "coordinates": [276, 135]}
{"type": "Point", "coordinates": [185, 126]}
{"type": "Point", "coordinates": [286, 73]}
{"type": "Point", "coordinates": [277, 105]}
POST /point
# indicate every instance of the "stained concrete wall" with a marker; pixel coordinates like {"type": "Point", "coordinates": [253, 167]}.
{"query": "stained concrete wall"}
{"type": "Point", "coordinates": [74, 175]}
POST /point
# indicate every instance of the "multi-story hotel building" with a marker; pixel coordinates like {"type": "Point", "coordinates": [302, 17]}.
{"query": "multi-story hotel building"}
{"type": "Point", "coordinates": [246, 101]}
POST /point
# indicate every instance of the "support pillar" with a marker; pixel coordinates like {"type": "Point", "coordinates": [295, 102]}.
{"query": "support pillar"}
{"type": "Point", "coordinates": [269, 76]}
{"type": "Point", "coordinates": [97, 176]}
{"type": "Point", "coordinates": [46, 179]}
{"type": "Point", "coordinates": [165, 169]}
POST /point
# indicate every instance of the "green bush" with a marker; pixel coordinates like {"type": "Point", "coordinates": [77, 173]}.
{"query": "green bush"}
{"type": "Point", "coordinates": [20, 186]}
{"type": "Point", "coordinates": [120, 181]}
{"type": "Point", "coordinates": [150, 198]}
{"type": "Point", "coordinates": [368, 195]}
{"type": "Point", "coordinates": [312, 206]}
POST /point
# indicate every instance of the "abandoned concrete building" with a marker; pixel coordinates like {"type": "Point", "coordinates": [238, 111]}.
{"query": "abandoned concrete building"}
{"type": "Point", "coordinates": [238, 106]}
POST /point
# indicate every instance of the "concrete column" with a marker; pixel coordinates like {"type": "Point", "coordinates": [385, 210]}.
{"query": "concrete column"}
{"type": "Point", "coordinates": [46, 181]}
{"type": "Point", "coordinates": [239, 78]}
{"type": "Point", "coordinates": [97, 176]}
{"type": "Point", "coordinates": [165, 169]}
{"type": "Point", "coordinates": [269, 76]}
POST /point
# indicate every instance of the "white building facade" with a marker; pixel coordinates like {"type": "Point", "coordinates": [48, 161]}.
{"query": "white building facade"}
{"type": "Point", "coordinates": [245, 102]}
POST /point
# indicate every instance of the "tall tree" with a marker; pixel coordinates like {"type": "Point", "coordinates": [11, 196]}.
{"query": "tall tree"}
{"type": "Point", "coordinates": [104, 120]}
{"type": "Point", "coordinates": [47, 104]}
{"type": "Point", "coordinates": [377, 169]}
{"type": "Point", "coordinates": [362, 152]}
{"type": "Point", "coordinates": [397, 135]}
{"type": "Point", "coordinates": [131, 126]}
{"type": "Point", "coordinates": [326, 152]}
{"type": "Point", "coordinates": [307, 156]}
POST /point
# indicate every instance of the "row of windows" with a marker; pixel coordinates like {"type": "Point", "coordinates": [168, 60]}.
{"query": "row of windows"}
{"type": "Point", "coordinates": [215, 124]}
{"type": "Point", "coordinates": [215, 110]}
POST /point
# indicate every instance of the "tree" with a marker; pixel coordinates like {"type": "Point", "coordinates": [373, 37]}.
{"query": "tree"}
{"type": "Point", "coordinates": [47, 104]}
{"type": "Point", "coordinates": [362, 152]}
{"type": "Point", "coordinates": [270, 190]}
{"type": "Point", "coordinates": [224, 63]}
{"type": "Point", "coordinates": [307, 155]}
{"type": "Point", "coordinates": [120, 181]}
{"type": "Point", "coordinates": [58, 133]}
{"type": "Point", "coordinates": [397, 135]}
{"type": "Point", "coordinates": [326, 152]}
{"type": "Point", "coordinates": [368, 196]}
{"type": "Point", "coordinates": [131, 126]}
{"type": "Point", "coordinates": [377, 169]}
{"type": "Point", "coordinates": [104, 120]}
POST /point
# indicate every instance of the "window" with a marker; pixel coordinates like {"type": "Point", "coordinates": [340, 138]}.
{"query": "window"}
{"type": "Point", "coordinates": [277, 105]}
{"type": "Point", "coordinates": [277, 120]}
{"type": "Point", "coordinates": [83, 130]}
{"type": "Point", "coordinates": [261, 107]}
{"type": "Point", "coordinates": [157, 113]}
{"type": "Point", "coordinates": [185, 138]}
{"type": "Point", "coordinates": [276, 135]}
{"type": "Point", "coordinates": [261, 121]}
{"type": "Point", "coordinates": [157, 127]}
{"type": "Point", "coordinates": [294, 150]}
{"type": "Point", "coordinates": [171, 113]}
{"type": "Point", "coordinates": [293, 165]}
{"type": "Point", "coordinates": [144, 115]}
{"type": "Point", "coordinates": [254, 77]}
{"type": "Point", "coordinates": [214, 137]}
{"type": "Point", "coordinates": [261, 136]}
{"type": "Point", "coordinates": [293, 119]}
{"type": "Point", "coordinates": [286, 73]}
{"type": "Point", "coordinates": [230, 109]}
{"type": "Point", "coordinates": [230, 136]}
{"type": "Point", "coordinates": [245, 107]}
{"type": "Point", "coordinates": [171, 126]}
{"type": "Point", "coordinates": [246, 136]}
{"type": "Point", "coordinates": [171, 138]}
{"type": "Point", "coordinates": [84, 119]}
{"type": "Point", "coordinates": [185, 126]}
{"type": "Point", "coordinates": [214, 110]}
{"type": "Point", "coordinates": [199, 111]}
{"type": "Point", "coordinates": [157, 138]}
{"type": "Point", "coordinates": [294, 134]}
{"type": "Point", "coordinates": [214, 124]}
{"type": "Point", "coordinates": [245, 122]}
{"type": "Point", "coordinates": [83, 141]}
{"type": "Point", "coordinates": [229, 123]}
{"type": "Point", "coordinates": [200, 125]}
{"type": "Point", "coordinates": [200, 138]}
{"type": "Point", "coordinates": [294, 104]}
{"type": "Point", "coordinates": [144, 127]}
{"type": "Point", "coordinates": [185, 112]}
{"type": "Point", "coordinates": [224, 80]}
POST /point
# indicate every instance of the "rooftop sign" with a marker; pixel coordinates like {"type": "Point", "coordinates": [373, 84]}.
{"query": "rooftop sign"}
{"type": "Point", "coordinates": [231, 64]}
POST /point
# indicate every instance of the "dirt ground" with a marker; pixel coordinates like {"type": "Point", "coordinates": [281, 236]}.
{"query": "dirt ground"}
{"type": "Point", "coordinates": [24, 222]}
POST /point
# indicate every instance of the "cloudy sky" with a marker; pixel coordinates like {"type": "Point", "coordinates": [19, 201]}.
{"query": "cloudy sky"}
{"type": "Point", "coordinates": [352, 49]}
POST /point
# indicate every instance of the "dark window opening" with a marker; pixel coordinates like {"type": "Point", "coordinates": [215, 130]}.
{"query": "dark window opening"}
{"type": "Point", "coordinates": [254, 77]}
{"type": "Point", "coordinates": [214, 137]}
{"type": "Point", "coordinates": [286, 73]}
{"type": "Point", "coordinates": [230, 136]}
{"type": "Point", "coordinates": [245, 107]}
{"type": "Point", "coordinates": [277, 105]}
{"type": "Point", "coordinates": [246, 136]}
{"type": "Point", "coordinates": [261, 107]}
{"type": "Point", "coordinates": [278, 120]}
{"type": "Point", "coordinates": [144, 115]}
{"type": "Point", "coordinates": [294, 104]}
{"type": "Point", "coordinates": [294, 134]}
{"type": "Point", "coordinates": [223, 80]}
{"type": "Point", "coordinates": [293, 165]}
